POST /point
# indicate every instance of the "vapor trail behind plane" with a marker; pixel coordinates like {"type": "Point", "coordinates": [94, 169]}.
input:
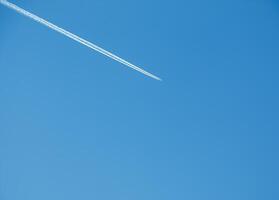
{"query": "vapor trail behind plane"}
{"type": "Point", "coordinates": [76, 38]}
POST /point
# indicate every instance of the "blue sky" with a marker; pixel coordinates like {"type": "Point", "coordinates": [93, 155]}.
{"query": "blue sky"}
{"type": "Point", "coordinates": [77, 125]}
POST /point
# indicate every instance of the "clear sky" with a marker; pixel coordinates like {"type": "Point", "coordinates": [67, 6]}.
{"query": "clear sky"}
{"type": "Point", "coordinates": [77, 125]}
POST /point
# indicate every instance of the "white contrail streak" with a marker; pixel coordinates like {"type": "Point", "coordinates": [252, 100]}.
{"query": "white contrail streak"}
{"type": "Point", "coordinates": [76, 38]}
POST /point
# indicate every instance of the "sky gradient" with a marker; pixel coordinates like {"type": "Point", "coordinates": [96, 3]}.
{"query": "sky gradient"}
{"type": "Point", "coordinates": [77, 125]}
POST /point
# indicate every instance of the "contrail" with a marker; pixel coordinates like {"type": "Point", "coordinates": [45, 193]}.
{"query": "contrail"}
{"type": "Point", "coordinates": [76, 38]}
